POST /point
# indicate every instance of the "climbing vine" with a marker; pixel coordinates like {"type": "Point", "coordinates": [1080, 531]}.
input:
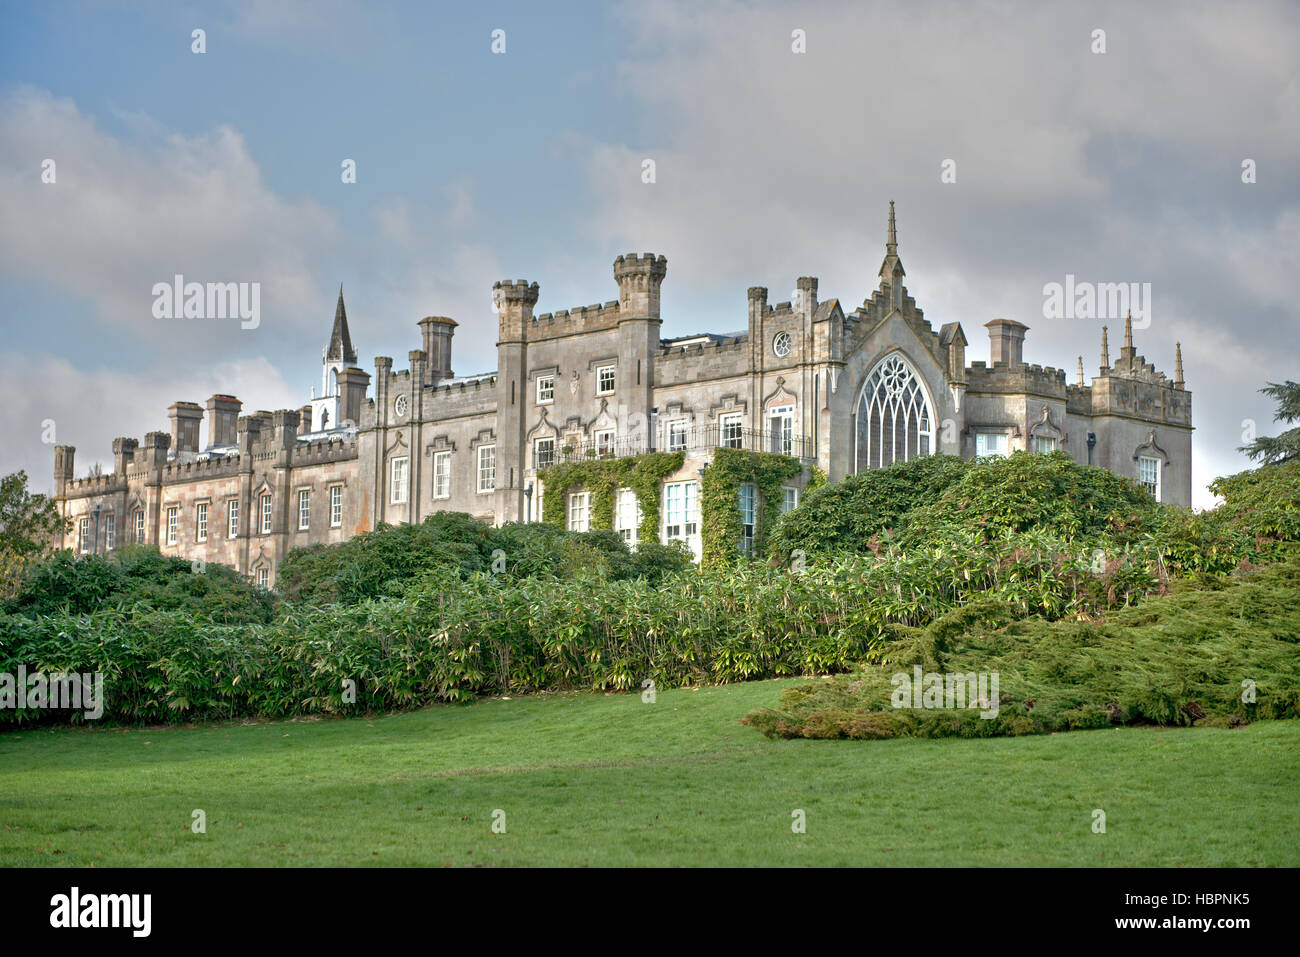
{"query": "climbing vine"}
{"type": "Point", "coordinates": [603, 478]}
{"type": "Point", "coordinates": [720, 505]}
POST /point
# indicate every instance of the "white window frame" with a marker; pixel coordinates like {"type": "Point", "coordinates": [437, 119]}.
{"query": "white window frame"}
{"type": "Point", "coordinates": [487, 469]}
{"type": "Point", "coordinates": [263, 577]}
{"type": "Point", "coordinates": [201, 521]}
{"type": "Point", "coordinates": [579, 517]}
{"type": "Point", "coordinates": [747, 502]}
{"type": "Point", "coordinates": [267, 506]}
{"type": "Point", "coordinates": [546, 389]}
{"type": "Point", "coordinates": [1158, 468]}
{"type": "Point", "coordinates": [789, 498]}
{"type": "Point", "coordinates": [173, 521]}
{"type": "Point", "coordinates": [232, 518]}
{"type": "Point", "coordinates": [110, 531]}
{"type": "Point", "coordinates": [83, 536]}
{"type": "Point", "coordinates": [604, 437]}
{"type": "Point", "coordinates": [139, 525]}
{"type": "Point", "coordinates": [988, 438]}
{"type": "Point", "coordinates": [1046, 440]}
{"type": "Point", "coordinates": [601, 376]}
{"type": "Point", "coordinates": [682, 513]}
{"type": "Point", "coordinates": [728, 423]}
{"type": "Point", "coordinates": [780, 423]}
{"type": "Point", "coordinates": [304, 509]}
{"type": "Point", "coordinates": [677, 428]}
{"type": "Point", "coordinates": [399, 480]}
{"type": "Point", "coordinates": [627, 516]}
{"type": "Point", "coordinates": [441, 475]}
{"type": "Point", "coordinates": [336, 506]}
{"type": "Point", "coordinates": [538, 457]}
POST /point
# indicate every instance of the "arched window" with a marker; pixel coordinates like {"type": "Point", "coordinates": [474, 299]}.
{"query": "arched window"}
{"type": "Point", "coordinates": [334, 381]}
{"type": "Point", "coordinates": [894, 417]}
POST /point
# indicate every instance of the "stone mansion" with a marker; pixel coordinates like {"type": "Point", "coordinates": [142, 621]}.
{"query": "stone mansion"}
{"type": "Point", "coordinates": [842, 390]}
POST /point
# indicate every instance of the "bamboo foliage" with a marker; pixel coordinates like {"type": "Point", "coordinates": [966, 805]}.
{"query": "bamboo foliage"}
{"type": "Point", "coordinates": [450, 638]}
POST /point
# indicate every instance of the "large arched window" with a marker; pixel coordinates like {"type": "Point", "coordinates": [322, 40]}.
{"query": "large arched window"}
{"type": "Point", "coordinates": [895, 420]}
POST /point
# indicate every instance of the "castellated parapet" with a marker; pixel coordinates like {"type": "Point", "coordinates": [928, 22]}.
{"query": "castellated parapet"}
{"type": "Point", "coordinates": [514, 300]}
{"type": "Point", "coordinates": [639, 278]}
{"type": "Point", "coordinates": [1030, 379]}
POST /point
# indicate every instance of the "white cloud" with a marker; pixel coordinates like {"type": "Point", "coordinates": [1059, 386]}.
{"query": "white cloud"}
{"type": "Point", "coordinates": [125, 215]}
{"type": "Point", "coordinates": [88, 407]}
{"type": "Point", "coordinates": [429, 267]}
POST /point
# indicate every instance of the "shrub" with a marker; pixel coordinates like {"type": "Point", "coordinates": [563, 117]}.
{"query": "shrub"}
{"type": "Point", "coordinates": [138, 574]}
{"type": "Point", "coordinates": [1180, 659]}
{"type": "Point", "coordinates": [1027, 490]}
{"type": "Point", "coordinates": [847, 516]}
{"type": "Point", "coordinates": [1263, 503]}
{"type": "Point", "coordinates": [381, 562]}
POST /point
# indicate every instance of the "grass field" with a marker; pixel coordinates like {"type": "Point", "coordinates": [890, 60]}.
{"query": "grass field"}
{"type": "Point", "coordinates": [609, 780]}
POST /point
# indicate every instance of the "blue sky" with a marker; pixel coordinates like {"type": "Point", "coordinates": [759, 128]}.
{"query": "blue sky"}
{"type": "Point", "coordinates": [473, 167]}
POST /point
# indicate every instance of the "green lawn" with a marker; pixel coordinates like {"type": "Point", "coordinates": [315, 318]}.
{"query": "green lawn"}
{"type": "Point", "coordinates": [608, 780]}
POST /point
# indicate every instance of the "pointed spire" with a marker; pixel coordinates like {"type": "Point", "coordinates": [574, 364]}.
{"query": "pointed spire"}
{"type": "Point", "coordinates": [1080, 370]}
{"type": "Point", "coordinates": [340, 347]}
{"type": "Point", "coordinates": [1105, 352]}
{"type": "Point", "coordinates": [891, 270]}
{"type": "Point", "coordinates": [1128, 331]}
{"type": "Point", "coordinates": [1178, 365]}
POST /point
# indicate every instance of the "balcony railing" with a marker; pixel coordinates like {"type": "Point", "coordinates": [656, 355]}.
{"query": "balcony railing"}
{"type": "Point", "coordinates": [701, 439]}
{"type": "Point", "coordinates": [777, 440]}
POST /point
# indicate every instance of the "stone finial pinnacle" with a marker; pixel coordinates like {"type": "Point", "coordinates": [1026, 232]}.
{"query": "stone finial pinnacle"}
{"type": "Point", "coordinates": [1178, 365]}
{"type": "Point", "coordinates": [1128, 330]}
{"type": "Point", "coordinates": [891, 270]}
{"type": "Point", "coordinates": [1105, 351]}
{"type": "Point", "coordinates": [1080, 370]}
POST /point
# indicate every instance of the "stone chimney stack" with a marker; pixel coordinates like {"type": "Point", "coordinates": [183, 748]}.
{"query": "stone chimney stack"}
{"type": "Point", "coordinates": [123, 454]}
{"type": "Point", "coordinates": [185, 418]}
{"type": "Point", "coordinates": [65, 457]}
{"type": "Point", "coordinates": [1006, 342]}
{"type": "Point", "coordinates": [352, 392]}
{"type": "Point", "coordinates": [223, 414]}
{"type": "Point", "coordinates": [436, 332]}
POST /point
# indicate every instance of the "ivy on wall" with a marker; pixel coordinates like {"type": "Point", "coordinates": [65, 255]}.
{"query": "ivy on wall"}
{"type": "Point", "coordinates": [720, 500]}
{"type": "Point", "coordinates": [603, 478]}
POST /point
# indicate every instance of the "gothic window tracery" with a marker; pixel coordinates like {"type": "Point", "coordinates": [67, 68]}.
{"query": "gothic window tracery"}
{"type": "Point", "coordinates": [895, 419]}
